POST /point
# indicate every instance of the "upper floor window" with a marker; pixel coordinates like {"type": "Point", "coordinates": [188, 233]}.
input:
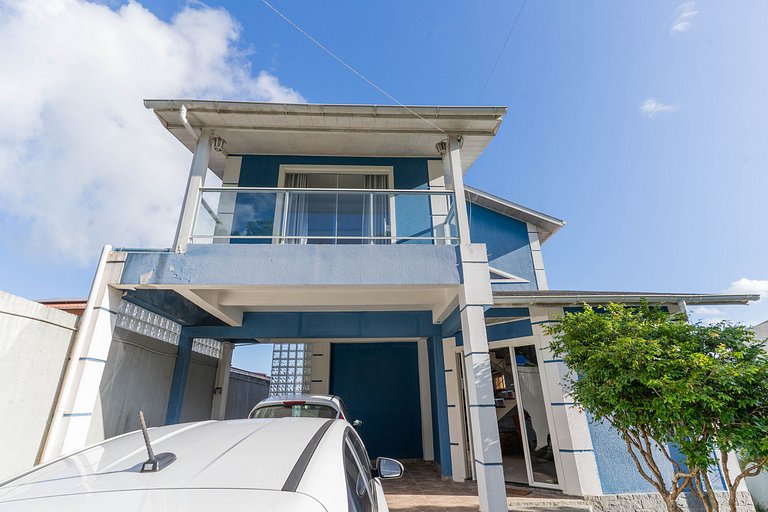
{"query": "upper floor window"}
{"type": "Point", "coordinates": [316, 214]}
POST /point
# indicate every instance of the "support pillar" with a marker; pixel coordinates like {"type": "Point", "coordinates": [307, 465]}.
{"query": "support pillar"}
{"type": "Point", "coordinates": [454, 179]}
{"type": "Point", "coordinates": [482, 409]}
{"type": "Point", "coordinates": [195, 181]}
{"type": "Point", "coordinates": [321, 368]}
{"type": "Point", "coordinates": [221, 384]}
{"type": "Point", "coordinates": [179, 380]}
{"type": "Point", "coordinates": [474, 297]}
{"type": "Point", "coordinates": [76, 401]}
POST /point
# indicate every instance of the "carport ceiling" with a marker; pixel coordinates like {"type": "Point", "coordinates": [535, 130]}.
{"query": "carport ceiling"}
{"type": "Point", "coordinates": [228, 305]}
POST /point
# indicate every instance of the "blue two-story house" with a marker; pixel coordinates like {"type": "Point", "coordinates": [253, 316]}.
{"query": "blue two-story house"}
{"type": "Point", "coordinates": [344, 234]}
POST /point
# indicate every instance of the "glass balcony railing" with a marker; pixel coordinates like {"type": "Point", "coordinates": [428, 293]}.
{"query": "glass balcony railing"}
{"type": "Point", "coordinates": [324, 216]}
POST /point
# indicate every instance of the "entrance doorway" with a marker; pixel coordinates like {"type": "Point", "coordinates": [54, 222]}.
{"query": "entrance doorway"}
{"type": "Point", "coordinates": [524, 431]}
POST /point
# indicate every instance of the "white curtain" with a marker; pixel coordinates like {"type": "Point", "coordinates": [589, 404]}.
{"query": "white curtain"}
{"type": "Point", "coordinates": [296, 203]}
{"type": "Point", "coordinates": [374, 217]}
{"type": "Point", "coordinates": [377, 224]}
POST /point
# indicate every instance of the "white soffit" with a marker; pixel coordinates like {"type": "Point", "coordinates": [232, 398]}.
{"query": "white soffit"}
{"type": "Point", "coordinates": [332, 130]}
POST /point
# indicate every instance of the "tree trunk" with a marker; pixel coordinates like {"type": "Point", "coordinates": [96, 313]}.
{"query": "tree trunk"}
{"type": "Point", "coordinates": [671, 503]}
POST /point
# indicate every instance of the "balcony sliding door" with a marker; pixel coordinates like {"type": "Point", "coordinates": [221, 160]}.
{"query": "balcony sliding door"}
{"type": "Point", "coordinates": [314, 214]}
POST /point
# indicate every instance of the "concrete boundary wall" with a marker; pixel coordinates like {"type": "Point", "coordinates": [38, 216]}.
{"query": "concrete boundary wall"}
{"type": "Point", "coordinates": [138, 377]}
{"type": "Point", "coordinates": [35, 341]}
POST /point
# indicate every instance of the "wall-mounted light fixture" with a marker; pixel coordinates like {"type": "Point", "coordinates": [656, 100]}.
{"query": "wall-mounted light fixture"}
{"type": "Point", "coordinates": [442, 147]}
{"type": "Point", "coordinates": [218, 143]}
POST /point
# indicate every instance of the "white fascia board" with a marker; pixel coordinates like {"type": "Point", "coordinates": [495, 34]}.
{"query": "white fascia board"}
{"type": "Point", "coordinates": [633, 298]}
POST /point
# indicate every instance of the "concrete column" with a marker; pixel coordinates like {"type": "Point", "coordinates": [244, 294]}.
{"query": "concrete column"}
{"type": "Point", "coordinates": [221, 384]}
{"type": "Point", "coordinates": [195, 181]}
{"type": "Point", "coordinates": [90, 349]}
{"type": "Point", "coordinates": [454, 179]}
{"type": "Point", "coordinates": [425, 401]}
{"type": "Point", "coordinates": [571, 439]}
{"type": "Point", "coordinates": [179, 379]}
{"type": "Point", "coordinates": [321, 368]}
{"type": "Point", "coordinates": [475, 295]}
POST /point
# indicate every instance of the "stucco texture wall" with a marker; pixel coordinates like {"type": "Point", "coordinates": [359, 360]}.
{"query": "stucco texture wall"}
{"type": "Point", "coordinates": [507, 243]}
{"type": "Point", "coordinates": [617, 471]}
{"type": "Point", "coordinates": [34, 344]}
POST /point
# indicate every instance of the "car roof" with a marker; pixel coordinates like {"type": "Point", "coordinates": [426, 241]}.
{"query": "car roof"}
{"type": "Point", "coordinates": [235, 454]}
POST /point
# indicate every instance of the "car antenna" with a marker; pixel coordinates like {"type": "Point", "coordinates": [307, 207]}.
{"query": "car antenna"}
{"type": "Point", "coordinates": [153, 463]}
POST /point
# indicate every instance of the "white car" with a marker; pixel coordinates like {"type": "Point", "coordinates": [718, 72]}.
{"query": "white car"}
{"type": "Point", "coordinates": [289, 464]}
{"type": "Point", "coordinates": [305, 406]}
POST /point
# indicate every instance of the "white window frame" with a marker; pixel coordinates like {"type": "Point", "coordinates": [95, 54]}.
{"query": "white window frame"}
{"type": "Point", "coordinates": [386, 170]}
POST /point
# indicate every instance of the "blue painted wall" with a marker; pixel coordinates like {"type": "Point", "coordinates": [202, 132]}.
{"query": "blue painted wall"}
{"type": "Point", "coordinates": [379, 382]}
{"type": "Point", "coordinates": [617, 471]}
{"type": "Point", "coordinates": [254, 215]}
{"type": "Point", "coordinates": [506, 240]}
{"type": "Point", "coordinates": [273, 264]}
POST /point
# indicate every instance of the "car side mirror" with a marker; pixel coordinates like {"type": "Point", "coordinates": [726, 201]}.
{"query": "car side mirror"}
{"type": "Point", "coordinates": [356, 423]}
{"type": "Point", "coordinates": [388, 468]}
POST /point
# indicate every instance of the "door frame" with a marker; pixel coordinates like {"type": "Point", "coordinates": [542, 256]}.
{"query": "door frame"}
{"type": "Point", "coordinates": [521, 342]}
{"type": "Point", "coordinates": [465, 426]}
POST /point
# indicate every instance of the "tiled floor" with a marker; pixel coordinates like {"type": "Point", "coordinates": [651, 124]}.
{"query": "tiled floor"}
{"type": "Point", "coordinates": [421, 489]}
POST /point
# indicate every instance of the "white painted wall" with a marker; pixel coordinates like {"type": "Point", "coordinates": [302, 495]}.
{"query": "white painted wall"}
{"type": "Point", "coordinates": [137, 377]}
{"type": "Point", "coordinates": [34, 344]}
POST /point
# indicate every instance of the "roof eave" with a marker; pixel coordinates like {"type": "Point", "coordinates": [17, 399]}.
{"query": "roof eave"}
{"type": "Point", "coordinates": [627, 298]}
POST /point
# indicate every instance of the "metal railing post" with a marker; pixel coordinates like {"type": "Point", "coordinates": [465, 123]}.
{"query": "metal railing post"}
{"type": "Point", "coordinates": [284, 227]}
{"type": "Point", "coordinates": [370, 209]}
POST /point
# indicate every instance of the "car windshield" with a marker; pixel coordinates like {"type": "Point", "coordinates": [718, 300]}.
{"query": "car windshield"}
{"type": "Point", "coordinates": [294, 411]}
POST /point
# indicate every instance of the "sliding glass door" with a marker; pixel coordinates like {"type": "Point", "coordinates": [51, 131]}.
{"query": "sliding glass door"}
{"type": "Point", "coordinates": [326, 217]}
{"type": "Point", "coordinates": [524, 433]}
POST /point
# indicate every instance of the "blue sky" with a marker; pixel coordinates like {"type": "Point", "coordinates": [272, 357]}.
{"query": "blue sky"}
{"type": "Point", "coordinates": [644, 125]}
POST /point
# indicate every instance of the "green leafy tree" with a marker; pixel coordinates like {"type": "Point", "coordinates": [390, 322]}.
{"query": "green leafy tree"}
{"type": "Point", "coordinates": [732, 384]}
{"type": "Point", "coordinates": [661, 382]}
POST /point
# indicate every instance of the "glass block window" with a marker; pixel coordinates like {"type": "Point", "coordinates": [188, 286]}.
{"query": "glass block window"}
{"type": "Point", "coordinates": [291, 368]}
{"type": "Point", "coordinates": [134, 318]}
{"type": "Point", "coordinates": [207, 347]}
{"type": "Point", "coordinates": [137, 319]}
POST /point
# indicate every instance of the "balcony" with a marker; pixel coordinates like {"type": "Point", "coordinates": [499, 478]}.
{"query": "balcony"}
{"type": "Point", "coordinates": [324, 216]}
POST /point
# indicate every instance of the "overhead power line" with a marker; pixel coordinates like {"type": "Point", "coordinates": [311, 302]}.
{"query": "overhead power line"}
{"type": "Point", "coordinates": [509, 34]}
{"type": "Point", "coordinates": [353, 70]}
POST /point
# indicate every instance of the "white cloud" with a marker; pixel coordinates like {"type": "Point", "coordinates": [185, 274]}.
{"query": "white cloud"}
{"type": "Point", "coordinates": [753, 314]}
{"type": "Point", "coordinates": [683, 16]}
{"type": "Point", "coordinates": [82, 163]}
{"type": "Point", "coordinates": [651, 108]}
{"type": "Point", "coordinates": [745, 285]}
{"type": "Point", "coordinates": [706, 311]}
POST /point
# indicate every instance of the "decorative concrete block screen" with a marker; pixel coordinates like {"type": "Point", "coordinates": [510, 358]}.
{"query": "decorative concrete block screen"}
{"type": "Point", "coordinates": [291, 368]}
{"type": "Point", "coordinates": [137, 319]}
